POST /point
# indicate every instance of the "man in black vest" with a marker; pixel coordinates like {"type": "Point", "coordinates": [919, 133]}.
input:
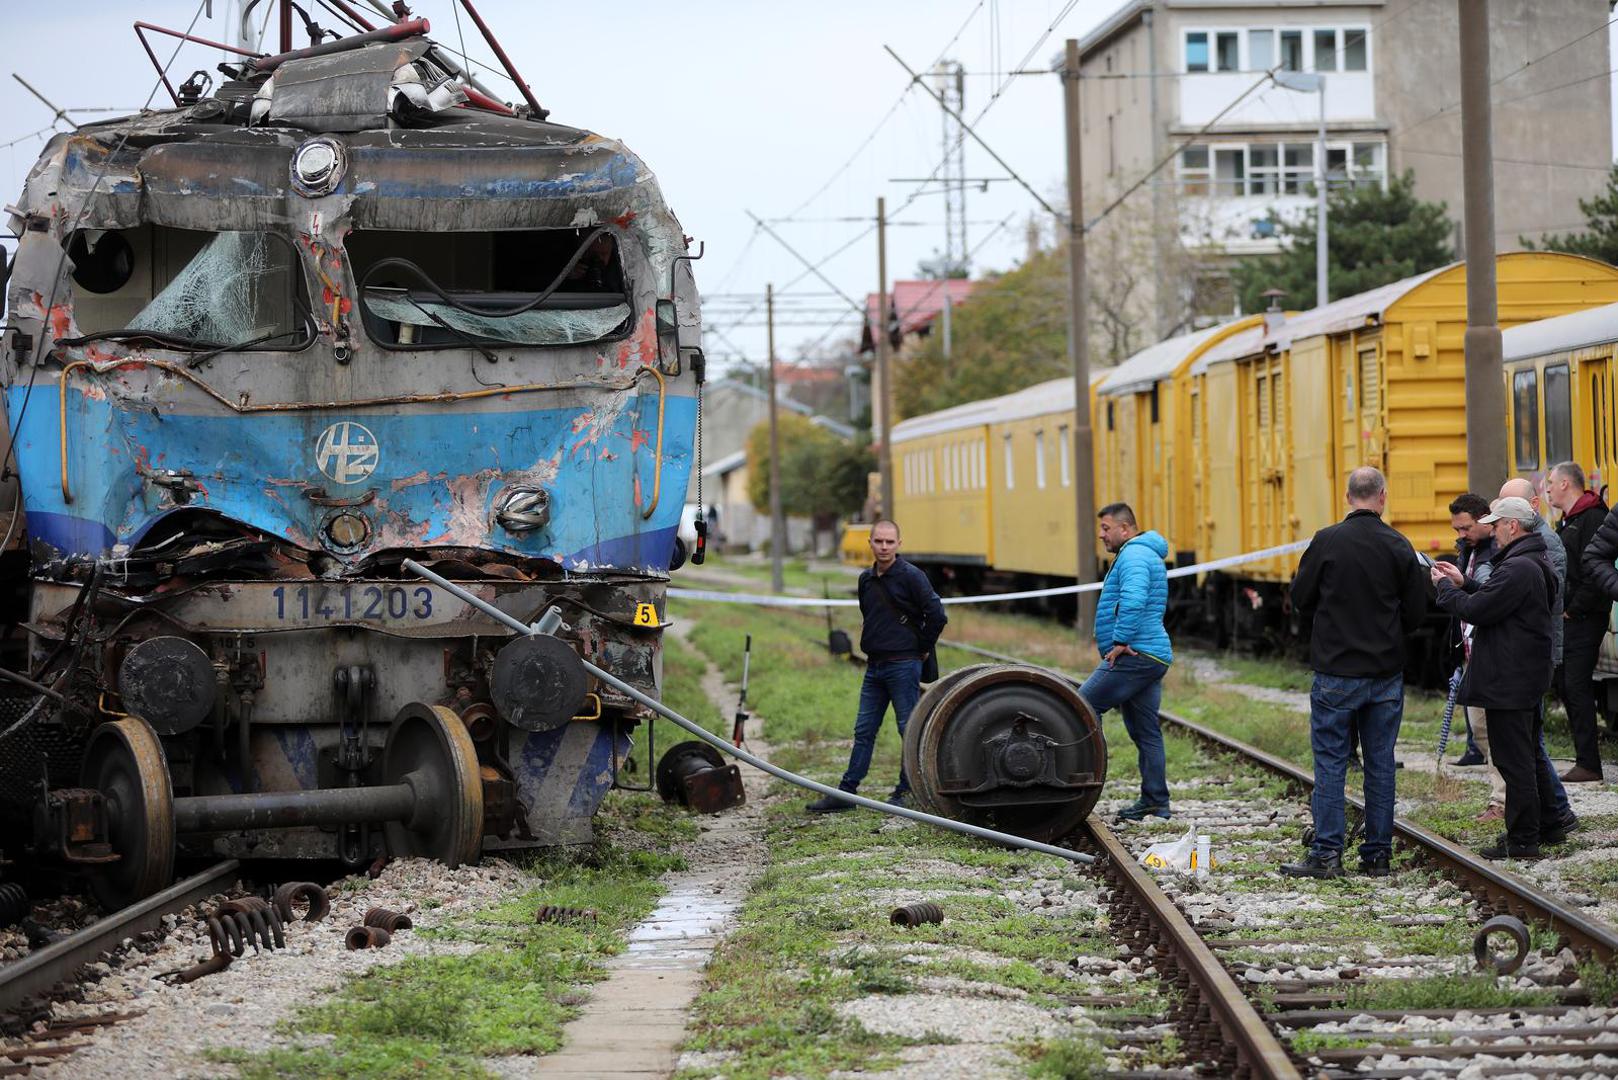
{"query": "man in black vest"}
{"type": "Point", "coordinates": [903, 619]}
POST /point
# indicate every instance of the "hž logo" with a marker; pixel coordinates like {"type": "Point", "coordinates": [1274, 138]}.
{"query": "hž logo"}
{"type": "Point", "coordinates": [347, 452]}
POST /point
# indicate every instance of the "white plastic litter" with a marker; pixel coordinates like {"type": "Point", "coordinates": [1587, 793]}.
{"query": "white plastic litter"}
{"type": "Point", "coordinates": [1190, 854]}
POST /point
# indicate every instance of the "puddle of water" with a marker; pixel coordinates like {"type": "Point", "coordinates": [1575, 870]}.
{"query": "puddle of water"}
{"type": "Point", "coordinates": [686, 925]}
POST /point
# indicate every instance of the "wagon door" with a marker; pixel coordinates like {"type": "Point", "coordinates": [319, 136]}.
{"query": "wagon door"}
{"type": "Point", "coordinates": [1592, 408]}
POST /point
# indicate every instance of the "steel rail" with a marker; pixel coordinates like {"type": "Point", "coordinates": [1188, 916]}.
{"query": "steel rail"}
{"type": "Point", "coordinates": [1504, 892]}
{"type": "Point", "coordinates": [1220, 1023]}
{"type": "Point", "coordinates": [56, 963]}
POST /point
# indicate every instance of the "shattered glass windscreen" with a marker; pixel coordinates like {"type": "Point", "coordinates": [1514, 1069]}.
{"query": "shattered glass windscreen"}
{"type": "Point", "coordinates": [238, 288]}
{"type": "Point", "coordinates": [439, 290]}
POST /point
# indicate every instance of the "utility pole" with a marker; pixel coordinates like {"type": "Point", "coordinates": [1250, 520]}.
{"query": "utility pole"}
{"type": "Point", "coordinates": [1322, 294]}
{"type": "Point", "coordinates": [1078, 345]}
{"type": "Point", "coordinates": [1486, 463]}
{"type": "Point", "coordinates": [778, 525]}
{"type": "Point", "coordinates": [882, 405]}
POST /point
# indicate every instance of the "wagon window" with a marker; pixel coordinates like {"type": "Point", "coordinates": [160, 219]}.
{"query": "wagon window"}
{"type": "Point", "coordinates": [1064, 441]}
{"type": "Point", "coordinates": [1558, 416]}
{"type": "Point", "coordinates": [1039, 459]}
{"type": "Point", "coordinates": [1525, 417]}
{"type": "Point", "coordinates": [1011, 476]}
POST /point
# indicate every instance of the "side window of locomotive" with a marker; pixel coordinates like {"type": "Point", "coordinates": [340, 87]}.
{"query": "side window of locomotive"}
{"type": "Point", "coordinates": [451, 290]}
{"type": "Point", "coordinates": [1525, 417]}
{"type": "Point", "coordinates": [1558, 415]}
{"type": "Point", "coordinates": [207, 289]}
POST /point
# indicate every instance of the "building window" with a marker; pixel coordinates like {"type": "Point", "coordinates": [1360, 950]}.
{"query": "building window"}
{"type": "Point", "coordinates": [1297, 167]}
{"type": "Point", "coordinates": [1196, 52]}
{"type": "Point", "coordinates": [1230, 172]}
{"type": "Point", "coordinates": [1263, 170]}
{"type": "Point", "coordinates": [1325, 50]}
{"type": "Point", "coordinates": [1011, 475]}
{"type": "Point", "coordinates": [1292, 50]}
{"type": "Point", "coordinates": [1112, 148]}
{"type": "Point", "coordinates": [1194, 170]}
{"type": "Point", "coordinates": [1039, 459]}
{"type": "Point", "coordinates": [1260, 50]}
{"type": "Point", "coordinates": [1354, 51]}
{"type": "Point", "coordinates": [1227, 51]}
{"type": "Point", "coordinates": [1064, 453]}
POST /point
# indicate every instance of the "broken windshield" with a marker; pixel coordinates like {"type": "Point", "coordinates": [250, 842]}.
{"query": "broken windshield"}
{"type": "Point", "coordinates": [239, 288]}
{"type": "Point", "coordinates": [534, 287]}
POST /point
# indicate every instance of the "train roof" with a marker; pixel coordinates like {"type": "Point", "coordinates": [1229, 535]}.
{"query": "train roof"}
{"type": "Point", "coordinates": [1051, 396]}
{"type": "Point", "coordinates": [1561, 333]}
{"type": "Point", "coordinates": [1157, 362]}
{"type": "Point", "coordinates": [1240, 344]}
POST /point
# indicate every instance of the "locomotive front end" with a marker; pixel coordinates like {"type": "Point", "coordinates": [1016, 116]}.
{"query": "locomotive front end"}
{"type": "Point", "coordinates": [267, 348]}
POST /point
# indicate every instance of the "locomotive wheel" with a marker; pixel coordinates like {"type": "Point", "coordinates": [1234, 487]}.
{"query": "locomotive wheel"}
{"type": "Point", "coordinates": [668, 775]}
{"type": "Point", "coordinates": [124, 761]}
{"type": "Point", "coordinates": [430, 749]}
{"type": "Point", "coordinates": [992, 727]}
{"type": "Point", "coordinates": [920, 789]}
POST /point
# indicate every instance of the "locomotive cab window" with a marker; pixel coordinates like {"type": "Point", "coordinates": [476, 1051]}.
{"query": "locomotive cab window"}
{"type": "Point", "coordinates": [449, 290]}
{"type": "Point", "coordinates": [186, 289]}
{"type": "Point", "coordinates": [1525, 417]}
{"type": "Point", "coordinates": [1558, 415]}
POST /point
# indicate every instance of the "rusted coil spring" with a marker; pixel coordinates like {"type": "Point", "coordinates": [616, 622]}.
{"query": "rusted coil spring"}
{"type": "Point", "coordinates": [367, 937]}
{"type": "Point", "coordinates": [916, 914]}
{"type": "Point", "coordinates": [252, 920]}
{"type": "Point", "coordinates": [14, 903]}
{"type": "Point", "coordinates": [391, 921]}
{"type": "Point", "coordinates": [556, 913]}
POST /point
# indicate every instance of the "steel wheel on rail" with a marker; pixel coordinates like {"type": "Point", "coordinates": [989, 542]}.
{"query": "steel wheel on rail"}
{"type": "Point", "coordinates": [430, 749]}
{"type": "Point", "coordinates": [124, 761]}
{"type": "Point", "coordinates": [1012, 748]}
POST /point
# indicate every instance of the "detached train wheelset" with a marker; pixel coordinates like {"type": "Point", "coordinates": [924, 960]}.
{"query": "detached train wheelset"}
{"type": "Point", "coordinates": [1008, 747]}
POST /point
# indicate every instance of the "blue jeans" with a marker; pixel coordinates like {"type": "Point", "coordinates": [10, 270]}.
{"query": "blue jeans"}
{"type": "Point", "coordinates": [887, 681]}
{"type": "Point", "coordinates": [1134, 686]}
{"type": "Point", "coordinates": [1376, 706]}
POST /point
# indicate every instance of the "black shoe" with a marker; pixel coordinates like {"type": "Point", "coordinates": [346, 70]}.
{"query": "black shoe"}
{"type": "Point", "coordinates": [1376, 867]}
{"type": "Point", "coordinates": [1503, 848]}
{"type": "Point", "coordinates": [1569, 823]}
{"type": "Point", "coordinates": [829, 804]}
{"type": "Point", "coordinates": [1140, 809]}
{"type": "Point", "coordinates": [1315, 866]}
{"type": "Point", "coordinates": [1551, 837]}
{"type": "Point", "coordinates": [900, 798]}
{"type": "Point", "coordinates": [1471, 757]}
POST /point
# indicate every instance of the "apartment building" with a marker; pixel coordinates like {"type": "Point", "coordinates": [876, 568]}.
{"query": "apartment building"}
{"type": "Point", "coordinates": [1187, 77]}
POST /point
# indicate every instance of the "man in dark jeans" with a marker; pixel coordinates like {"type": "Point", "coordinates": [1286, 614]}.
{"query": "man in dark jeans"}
{"type": "Point", "coordinates": [1362, 591]}
{"type": "Point", "coordinates": [903, 618]}
{"type": "Point", "coordinates": [1511, 614]}
{"type": "Point", "coordinates": [1584, 622]}
{"type": "Point", "coordinates": [1474, 544]}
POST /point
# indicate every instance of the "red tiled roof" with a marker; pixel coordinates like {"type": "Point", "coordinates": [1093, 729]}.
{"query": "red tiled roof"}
{"type": "Point", "coordinates": [917, 304]}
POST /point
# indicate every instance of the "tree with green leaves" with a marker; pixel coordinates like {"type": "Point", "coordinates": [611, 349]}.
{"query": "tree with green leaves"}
{"type": "Point", "coordinates": [821, 475]}
{"type": "Point", "coordinates": [1600, 239]}
{"type": "Point", "coordinates": [1374, 236]}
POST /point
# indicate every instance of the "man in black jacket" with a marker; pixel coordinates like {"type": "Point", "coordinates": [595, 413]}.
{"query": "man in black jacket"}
{"type": "Point", "coordinates": [903, 619]}
{"type": "Point", "coordinates": [1474, 544]}
{"type": "Point", "coordinates": [1361, 591]}
{"type": "Point", "coordinates": [1511, 667]}
{"type": "Point", "coordinates": [1585, 620]}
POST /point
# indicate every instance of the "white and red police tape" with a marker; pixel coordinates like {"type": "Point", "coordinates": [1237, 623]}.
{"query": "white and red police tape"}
{"type": "Point", "coordinates": [764, 600]}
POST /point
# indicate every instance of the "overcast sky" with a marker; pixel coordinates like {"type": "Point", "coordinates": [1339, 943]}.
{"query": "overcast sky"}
{"type": "Point", "coordinates": [736, 106]}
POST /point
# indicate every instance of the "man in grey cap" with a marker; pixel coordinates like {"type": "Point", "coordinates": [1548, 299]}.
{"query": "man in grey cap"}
{"type": "Point", "coordinates": [1510, 670]}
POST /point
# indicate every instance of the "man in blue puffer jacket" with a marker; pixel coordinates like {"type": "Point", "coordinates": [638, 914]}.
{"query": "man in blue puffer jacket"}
{"type": "Point", "coordinates": [1135, 649]}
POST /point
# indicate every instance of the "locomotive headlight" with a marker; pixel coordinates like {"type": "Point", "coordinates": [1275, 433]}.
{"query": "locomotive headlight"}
{"type": "Point", "coordinates": [524, 509]}
{"type": "Point", "coordinates": [345, 532]}
{"type": "Point", "coordinates": [317, 166]}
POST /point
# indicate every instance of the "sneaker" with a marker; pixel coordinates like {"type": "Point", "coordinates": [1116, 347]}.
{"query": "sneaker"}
{"type": "Point", "coordinates": [1377, 866]}
{"type": "Point", "coordinates": [829, 804]}
{"type": "Point", "coordinates": [1315, 866]}
{"type": "Point", "coordinates": [1140, 809]}
{"type": "Point", "coordinates": [1493, 813]}
{"type": "Point", "coordinates": [1503, 848]}
{"type": "Point", "coordinates": [1569, 823]}
{"type": "Point", "coordinates": [1578, 774]}
{"type": "Point", "coordinates": [1471, 757]}
{"type": "Point", "coordinates": [900, 798]}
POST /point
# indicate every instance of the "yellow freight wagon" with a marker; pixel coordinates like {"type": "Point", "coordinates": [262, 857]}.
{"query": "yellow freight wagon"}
{"type": "Point", "coordinates": [1377, 378]}
{"type": "Point", "coordinates": [941, 492]}
{"type": "Point", "coordinates": [1031, 478]}
{"type": "Point", "coordinates": [1144, 453]}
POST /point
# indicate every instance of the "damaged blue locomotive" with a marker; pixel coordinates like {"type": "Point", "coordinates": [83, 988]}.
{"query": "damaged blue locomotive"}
{"type": "Point", "coordinates": [342, 310]}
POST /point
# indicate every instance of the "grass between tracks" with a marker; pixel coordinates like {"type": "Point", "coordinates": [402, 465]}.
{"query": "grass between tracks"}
{"type": "Point", "coordinates": [813, 938]}
{"type": "Point", "coordinates": [444, 1016]}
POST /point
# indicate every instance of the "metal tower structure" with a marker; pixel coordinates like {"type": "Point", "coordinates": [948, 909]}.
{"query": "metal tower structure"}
{"type": "Point", "coordinates": [950, 79]}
